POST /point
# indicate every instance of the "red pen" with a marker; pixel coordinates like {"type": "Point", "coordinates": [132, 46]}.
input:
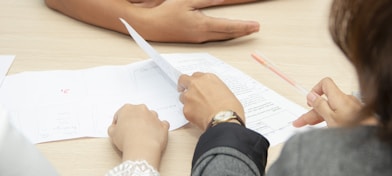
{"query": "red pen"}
{"type": "Point", "coordinates": [263, 60]}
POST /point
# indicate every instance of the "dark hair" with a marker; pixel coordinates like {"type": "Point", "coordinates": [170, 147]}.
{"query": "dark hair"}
{"type": "Point", "coordinates": [362, 29]}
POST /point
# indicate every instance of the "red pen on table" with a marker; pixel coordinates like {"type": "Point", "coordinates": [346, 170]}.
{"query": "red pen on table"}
{"type": "Point", "coordinates": [263, 60]}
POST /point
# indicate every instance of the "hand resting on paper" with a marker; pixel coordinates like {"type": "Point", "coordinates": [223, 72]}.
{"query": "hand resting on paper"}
{"type": "Point", "coordinates": [139, 134]}
{"type": "Point", "coordinates": [203, 96]}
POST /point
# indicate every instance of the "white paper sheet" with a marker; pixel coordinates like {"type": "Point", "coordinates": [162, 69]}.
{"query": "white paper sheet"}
{"type": "Point", "coordinates": [266, 111]}
{"type": "Point", "coordinates": [170, 71]}
{"type": "Point", "coordinates": [57, 105]}
{"type": "Point", "coordinates": [62, 104]}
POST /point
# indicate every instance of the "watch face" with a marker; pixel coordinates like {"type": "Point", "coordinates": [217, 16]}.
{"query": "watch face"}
{"type": "Point", "coordinates": [223, 115]}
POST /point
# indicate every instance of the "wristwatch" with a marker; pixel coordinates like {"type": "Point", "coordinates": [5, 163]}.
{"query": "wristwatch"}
{"type": "Point", "coordinates": [225, 116]}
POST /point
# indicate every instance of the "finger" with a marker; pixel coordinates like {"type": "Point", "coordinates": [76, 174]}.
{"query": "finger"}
{"type": "Point", "coordinates": [142, 107]}
{"type": "Point", "coordinates": [223, 29]}
{"type": "Point", "coordinates": [323, 108]}
{"type": "Point", "coordinates": [300, 122]}
{"type": "Point", "coordinates": [328, 87]}
{"type": "Point", "coordinates": [165, 124]}
{"type": "Point", "coordinates": [183, 97]}
{"type": "Point", "coordinates": [110, 130]}
{"type": "Point", "coordinates": [115, 117]}
{"type": "Point", "coordinates": [238, 27]}
{"type": "Point", "coordinates": [197, 74]}
{"type": "Point", "coordinates": [183, 82]}
{"type": "Point", "coordinates": [154, 113]}
{"type": "Point", "coordinates": [309, 118]}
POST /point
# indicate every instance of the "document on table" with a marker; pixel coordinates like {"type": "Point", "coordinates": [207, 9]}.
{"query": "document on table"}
{"type": "Point", "coordinates": [64, 104]}
{"type": "Point", "coordinates": [5, 64]}
{"type": "Point", "coordinates": [267, 112]}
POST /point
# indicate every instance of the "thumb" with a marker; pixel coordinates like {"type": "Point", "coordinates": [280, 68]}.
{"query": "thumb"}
{"type": "Point", "coordinates": [110, 130]}
{"type": "Point", "coordinates": [165, 124]}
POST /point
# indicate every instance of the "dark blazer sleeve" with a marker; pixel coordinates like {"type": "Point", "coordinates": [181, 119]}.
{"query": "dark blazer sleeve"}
{"type": "Point", "coordinates": [230, 149]}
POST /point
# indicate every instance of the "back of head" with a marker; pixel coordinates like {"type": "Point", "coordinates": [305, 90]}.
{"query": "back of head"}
{"type": "Point", "coordinates": [363, 31]}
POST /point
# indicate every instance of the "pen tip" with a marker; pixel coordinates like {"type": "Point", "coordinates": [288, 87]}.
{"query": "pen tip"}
{"type": "Point", "coordinates": [258, 58]}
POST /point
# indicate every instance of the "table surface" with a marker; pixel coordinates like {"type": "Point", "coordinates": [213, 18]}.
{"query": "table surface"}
{"type": "Point", "coordinates": [294, 34]}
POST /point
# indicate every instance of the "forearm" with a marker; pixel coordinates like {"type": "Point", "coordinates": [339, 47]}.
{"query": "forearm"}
{"type": "Point", "coordinates": [102, 13]}
{"type": "Point", "coordinates": [230, 148]}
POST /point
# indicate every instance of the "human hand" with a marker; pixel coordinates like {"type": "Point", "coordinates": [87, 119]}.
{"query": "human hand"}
{"type": "Point", "coordinates": [337, 110]}
{"type": "Point", "coordinates": [146, 3]}
{"type": "Point", "coordinates": [203, 96]}
{"type": "Point", "coordinates": [139, 134]}
{"type": "Point", "coordinates": [182, 21]}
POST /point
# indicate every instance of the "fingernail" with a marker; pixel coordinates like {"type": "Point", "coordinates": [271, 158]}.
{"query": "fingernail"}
{"type": "Point", "coordinates": [256, 26]}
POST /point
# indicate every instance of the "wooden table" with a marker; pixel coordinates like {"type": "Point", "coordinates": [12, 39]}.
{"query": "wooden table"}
{"type": "Point", "coordinates": [293, 34]}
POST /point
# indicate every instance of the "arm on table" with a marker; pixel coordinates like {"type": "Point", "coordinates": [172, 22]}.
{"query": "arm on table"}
{"type": "Point", "coordinates": [169, 21]}
{"type": "Point", "coordinates": [226, 148]}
